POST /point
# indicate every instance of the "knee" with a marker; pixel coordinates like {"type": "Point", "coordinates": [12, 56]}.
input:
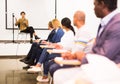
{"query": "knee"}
{"type": "Point", "coordinates": [30, 27]}
{"type": "Point", "coordinates": [53, 68]}
{"type": "Point", "coordinates": [35, 44]}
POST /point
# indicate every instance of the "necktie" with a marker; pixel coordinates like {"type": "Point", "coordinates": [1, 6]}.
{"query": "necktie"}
{"type": "Point", "coordinates": [99, 30]}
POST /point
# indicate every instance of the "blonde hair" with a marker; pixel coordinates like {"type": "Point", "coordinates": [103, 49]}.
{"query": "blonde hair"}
{"type": "Point", "coordinates": [56, 23]}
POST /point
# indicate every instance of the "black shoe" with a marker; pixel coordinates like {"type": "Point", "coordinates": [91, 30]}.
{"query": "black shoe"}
{"type": "Point", "coordinates": [36, 37]}
{"type": "Point", "coordinates": [29, 62]}
{"type": "Point", "coordinates": [31, 41]}
{"type": "Point", "coordinates": [26, 67]}
{"type": "Point", "coordinates": [23, 60]}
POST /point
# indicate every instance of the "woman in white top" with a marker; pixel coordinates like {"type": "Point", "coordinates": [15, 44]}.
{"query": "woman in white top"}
{"type": "Point", "coordinates": [67, 41]}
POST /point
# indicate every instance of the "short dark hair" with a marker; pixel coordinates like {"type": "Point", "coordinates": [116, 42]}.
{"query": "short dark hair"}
{"type": "Point", "coordinates": [111, 4]}
{"type": "Point", "coordinates": [22, 13]}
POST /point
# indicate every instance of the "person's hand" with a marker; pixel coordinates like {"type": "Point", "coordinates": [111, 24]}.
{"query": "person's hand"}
{"type": "Point", "coordinates": [15, 19]}
{"type": "Point", "coordinates": [67, 55]}
{"type": "Point", "coordinates": [79, 55]}
{"type": "Point", "coordinates": [82, 81]}
{"type": "Point", "coordinates": [118, 65]}
{"type": "Point", "coordinates": [58, 46]}
{"type": "Point", "coordinates": [44, 42]}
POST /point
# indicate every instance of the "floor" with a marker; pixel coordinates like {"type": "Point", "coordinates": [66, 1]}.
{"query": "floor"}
{"type": "Point", "coordinates": [11, 72]}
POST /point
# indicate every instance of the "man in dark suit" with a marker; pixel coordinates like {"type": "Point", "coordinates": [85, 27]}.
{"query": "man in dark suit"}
{"type": "Point", "coordinates": [108, 36]}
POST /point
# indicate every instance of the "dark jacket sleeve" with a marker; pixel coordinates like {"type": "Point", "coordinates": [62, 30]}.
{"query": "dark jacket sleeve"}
{"type": "Point", "coordinates": [50, 36]}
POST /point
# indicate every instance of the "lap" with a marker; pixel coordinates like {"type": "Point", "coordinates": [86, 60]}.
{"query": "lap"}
{"type": "Point", "coordinates": [67, 73]}
{"type": "Point", "coordinates": [54, 67]}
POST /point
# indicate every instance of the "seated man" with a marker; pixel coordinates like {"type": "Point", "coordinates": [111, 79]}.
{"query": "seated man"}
{"type": "Point", "coordinates": [108, 37]}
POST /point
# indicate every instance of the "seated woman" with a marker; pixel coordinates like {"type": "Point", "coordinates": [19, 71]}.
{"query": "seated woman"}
{"type": "Point", "coordinates": [30, 58]}
{"type": "Point", "coordinates": [35, 51]}
{"type": "Point", "coordinates": [67, 42]}
{"type": "Point", "coordinates": [24, 27]}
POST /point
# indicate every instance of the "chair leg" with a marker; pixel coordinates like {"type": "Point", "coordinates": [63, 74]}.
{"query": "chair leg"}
{"type": "Point", "coordinates": [17, 49]}
{"type": "Point", "coordinates": [25, 38]}
{"type": "Point", "coordinates": [51, 80]}
{"type": "Point", "coordinates": [18, 37]}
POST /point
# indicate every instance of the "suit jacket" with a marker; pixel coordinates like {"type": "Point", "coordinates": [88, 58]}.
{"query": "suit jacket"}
{"type": "Point", "coordinates": [52, 33]}
{"type": "Point", "coordinates": [57, 36]}
{"type": "Point", "coordinates": [108, 43]}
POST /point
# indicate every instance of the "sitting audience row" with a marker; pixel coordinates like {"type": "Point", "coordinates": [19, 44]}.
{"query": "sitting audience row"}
{"type": "Point", "coordinates": [68, 42]}
{"type": "Point", "coordinates": [35, 51]}
{"type": "Point", "coordinates": [80, 46]}
{"type": "Point", "coordinates": [97, 70]}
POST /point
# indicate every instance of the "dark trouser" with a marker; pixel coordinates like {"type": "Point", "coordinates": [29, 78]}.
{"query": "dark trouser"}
{"type": "Point", "coordinates": [29, 30]}
{"type": "Point", "coordinates": [43, 56]}
{"type": "Point", "coordinates": [47, 61]}
{"type": "Point", "coordinates": [54, 67]}
{"type": "Point", "coordinates": [46, 66]}
{"type": "Point", "coordinates": [34, 52]}
{"type": "Point", "coordinates": [38, 54]}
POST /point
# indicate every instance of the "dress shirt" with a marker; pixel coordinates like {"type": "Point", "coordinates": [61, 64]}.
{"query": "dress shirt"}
{"type": "Point", "coordinates": [106, 19]}
{"type": "Point", "coordinates": [82, 37]}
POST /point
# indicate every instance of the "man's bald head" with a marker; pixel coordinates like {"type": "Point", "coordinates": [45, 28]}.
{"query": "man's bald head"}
{"type": "Point", "coordinates": [80, 15]}
{"type": "Point", "coordinates": [79, 18]}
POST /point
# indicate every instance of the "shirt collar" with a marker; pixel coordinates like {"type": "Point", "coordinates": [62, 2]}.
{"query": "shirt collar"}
{"type": "Point", "coordinates": [56, 29]}
{"type": "Point", "coordinates": [82, 27]}
{"type": "Point", "coordinates": [107, 18]}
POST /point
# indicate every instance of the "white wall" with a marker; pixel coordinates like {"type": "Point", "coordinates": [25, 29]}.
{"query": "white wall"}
{"type": "Point", "coordinates": [36, 11]}
{"type": "Point", "coordinates": [64, 8]}
{"type": "Point", "coordinates": [71, 6]}
{"type": "Point", "coordinates": [8, 34]}
{"type": "Point", "coordinates": [67, 8]}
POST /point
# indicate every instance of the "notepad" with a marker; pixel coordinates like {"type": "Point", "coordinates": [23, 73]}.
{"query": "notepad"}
{"type": "Point", "coordinates": [46, 46]}
{"type": "Point", "coordinates": [57, 51]}
{"type": "Point", "coordinates": [62, 61]}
